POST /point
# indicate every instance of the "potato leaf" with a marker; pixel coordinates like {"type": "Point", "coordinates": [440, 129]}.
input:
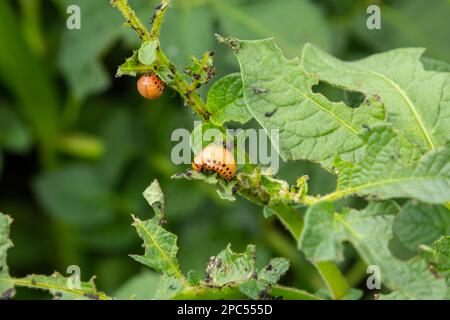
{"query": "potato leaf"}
{"type": "Point", "coordinates": [225, 101]}
{"type": "Point", "coordinates": [369, 231]}
{"type": "Point", "coordinates": [421, 224]}
{"type": "Point", "coordinates": [385, 174]}
{"type": "Point", "coordinates": [160, 245]}
{"type": "Point", "coordinates": [417, 101]}
{"type": "Point", "coordinates": [6, 285]}
{"type": "Point", "coordinates": [279, 96]}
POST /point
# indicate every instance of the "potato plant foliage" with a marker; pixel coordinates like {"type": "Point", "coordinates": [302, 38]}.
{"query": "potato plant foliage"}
{"type": "Point", "coordinates": [392, 150]}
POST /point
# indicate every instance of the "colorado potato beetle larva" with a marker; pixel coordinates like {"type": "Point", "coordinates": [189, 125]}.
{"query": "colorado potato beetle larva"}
{"type": "Point", "coordinates": [150, 86]}
{"type": "Point", "coordinates": [218, 159]}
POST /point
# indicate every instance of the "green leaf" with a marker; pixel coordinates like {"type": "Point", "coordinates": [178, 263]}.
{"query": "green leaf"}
{"type": "Point", "coordinates": [201, 70]}
{"type": "Point", "coordinates": [75, 194]}
{"type": "Point", "coordinates": [421, 224]}
{"type": "Point", "coordinates": [279, 96]}
{"type": "Point", "coordinates": [417, 101]}
{"type": "Point", "coordinates": [228, 267]}
{"type": "Point", "coordinates": [435, 65]}
{"type": "Point", "coordinates": [147, 53]}
{"type": "Point", "coordinates": [268, 212]}
{"type": "Point", "coordinates": [6, 285]}
{"type": "Point", "coordinates": [254, 288]}
{"type": "Point", "coordinates": [193, 278]}
{"type": "Point", "coordinates": [225, 101]}
{"type": "Point", "coordinates": [396, 295]}
{"type": "Point", "coordinates": [385, 174]}
{"type": "Point", "coordinates": [369, 231]}
{"type": "Point", "coordinates": [442, 249]}
{"type": "Point", "coordinates": [61, 288]}
{"type": "Point", "coordinates": [291, 22]}
{"type": "Point", "coordinates": [155, 198]}
{"type": "Point", "coordinates": [160, 245]}
{"type": "Point", "coordinates": [168, 287]}
{"type": "Point", "coordinates": [276, 268]}
{"type": "Point", "coordinates": [142, 286]}
{"type": "Point", "coordinates": [130, 67]}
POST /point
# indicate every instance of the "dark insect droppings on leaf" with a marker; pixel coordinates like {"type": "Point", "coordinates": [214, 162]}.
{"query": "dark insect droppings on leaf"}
{"type": "Point", "coordinates": [8, 294]}
{"type": "Point", "coordinates": [271, 113]}
{"type": "Point", "coordinates": [91, 296]}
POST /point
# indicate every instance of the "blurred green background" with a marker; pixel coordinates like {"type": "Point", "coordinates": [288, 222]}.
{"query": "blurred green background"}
{"type": "Point", "coordinates": [78, 147]}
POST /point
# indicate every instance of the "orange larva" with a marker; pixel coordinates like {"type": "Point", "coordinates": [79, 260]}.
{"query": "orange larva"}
{"type": "Point", "coordinates": [150, 86]}
{"type": "Point", "coordinates": [218, 159]}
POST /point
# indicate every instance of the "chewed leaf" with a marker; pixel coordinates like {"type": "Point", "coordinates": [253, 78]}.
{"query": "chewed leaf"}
{"type": "Point", "coordinates": [155, 197]}
{"type": "Point", "coordinates": [416, 101]}
{"type": "Point", "coordinates": [278, 94]}
{"type": "Point", "coordinates": [63, 288]}
{"type": "Point", "coordinates": [132, 66]}
{"type": "Point", "coordinates": [159, 244]}
{"type": "Point", "coordinates": [228, 266]}
{"type": "Point", "coordinates": [369, 231]}
{"type": "Point", "coordinates": [384, 173]}
{"type": "Point", "coordinates": [6, 285]}
{"type": "Point", "coordinates": [160, 247]}
{"type": "Point", "coordinates": [276, 268]}
{"type": "Point", "coordinates": [225, 101]}
{"type": "Point", "coordinates": [442, 249]}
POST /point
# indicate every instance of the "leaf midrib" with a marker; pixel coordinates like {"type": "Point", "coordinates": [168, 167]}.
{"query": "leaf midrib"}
{"type": "Point", "coordinates": [165, 256]}
{"type": "Point", "coordinates": [345, 192]}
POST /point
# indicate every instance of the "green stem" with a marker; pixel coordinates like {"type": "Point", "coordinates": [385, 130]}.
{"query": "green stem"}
{"type": "Point", "coordinates": [333, 278]}
{"type": "Point", "coordinates": [330, 273]}
{"type": "Point", "coordinates": [233, 292]}
{"type": "Point", "coordinates": [356, 273]}
{"type": "Point", "coordinates": [286, 214]}
{"type": "Point", "coordinates": [131, 19]}
{"type": "Point", "coordinates": [191, 97]}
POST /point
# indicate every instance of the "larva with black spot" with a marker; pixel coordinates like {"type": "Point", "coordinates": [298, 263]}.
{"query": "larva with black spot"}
{"type": "Point", "coordinates": [150, 86]}
{"type": "Point", "coordinates": [218, 159]}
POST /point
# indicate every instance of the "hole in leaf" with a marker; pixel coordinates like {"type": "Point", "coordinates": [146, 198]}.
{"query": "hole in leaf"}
{"type": "Point", "coordinates": [352, 99]}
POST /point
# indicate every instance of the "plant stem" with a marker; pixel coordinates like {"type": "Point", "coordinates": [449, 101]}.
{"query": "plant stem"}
{"type": "Point", "coordinates": [330, 273]}
{"type": "Point", "coordinates": [233, 292]}
{"type": "Point", "coordinates": [191, 97]}
{"type": "Point", "coordinates": [131, 18]}
{"type": "Point", "coordinates": [333, 278]}
{"type": "Point", "coordinates": [286, 214]}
